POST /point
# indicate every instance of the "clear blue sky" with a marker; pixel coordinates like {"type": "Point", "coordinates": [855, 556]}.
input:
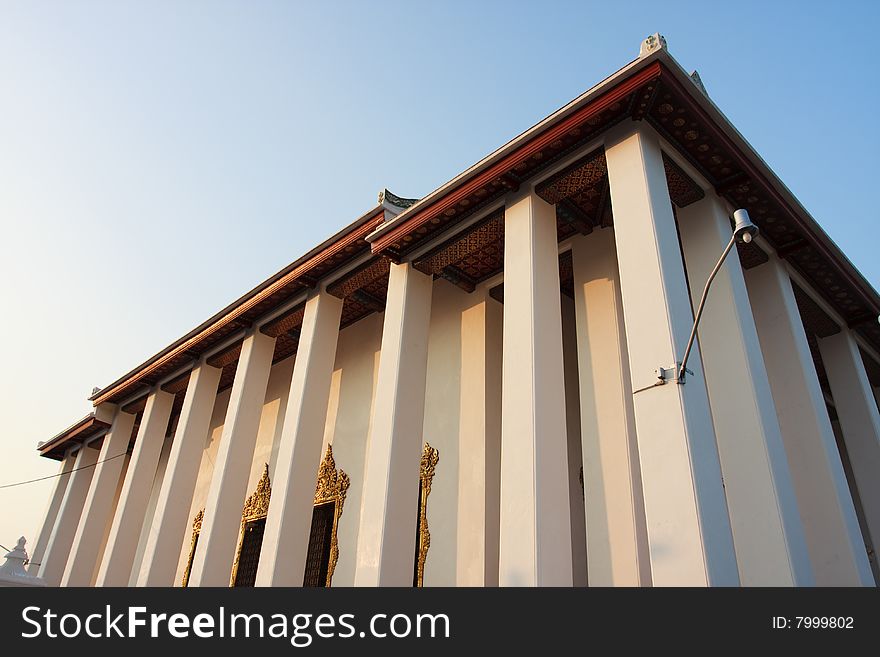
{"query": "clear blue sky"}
{"type": "Point", "coordinates": [158, 159]}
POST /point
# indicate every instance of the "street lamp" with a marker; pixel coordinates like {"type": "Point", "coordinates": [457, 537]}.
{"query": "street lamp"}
{"type": "Point", "coordinates": [743, 231]}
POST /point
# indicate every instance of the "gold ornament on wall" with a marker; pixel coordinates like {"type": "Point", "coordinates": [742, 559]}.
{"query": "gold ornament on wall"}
{"type": "Point", "coordinates": [430, 457]}
{"type": "Point", "coordinates": [196, 530]}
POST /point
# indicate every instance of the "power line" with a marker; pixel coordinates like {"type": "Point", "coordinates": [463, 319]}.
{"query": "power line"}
{"type": "Point", "coordinates": [61, 474]}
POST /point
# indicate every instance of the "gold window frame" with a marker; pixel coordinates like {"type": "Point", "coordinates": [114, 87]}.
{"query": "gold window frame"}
{"type": "Point", "coordinates": [332, 486]}
{"type": "Point", "coordinates": [256, 507]}
{"type": "Point", "coordinates": [427, 466]}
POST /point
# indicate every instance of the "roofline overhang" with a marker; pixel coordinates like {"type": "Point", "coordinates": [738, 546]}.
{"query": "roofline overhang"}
{"type": "Point", "coordinates": [298, 269]}
{"type": "Point", "coordinates": [663, 65]}
{"type": "Point", "coordinates": [87, 428]}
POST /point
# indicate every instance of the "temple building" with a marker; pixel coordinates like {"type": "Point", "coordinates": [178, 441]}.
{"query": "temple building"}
{"type": "Point", "coordinates": [487, 386]}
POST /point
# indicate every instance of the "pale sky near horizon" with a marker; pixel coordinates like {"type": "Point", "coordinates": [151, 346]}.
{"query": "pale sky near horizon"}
{"type": "Point", "coordinates": [158, 159]}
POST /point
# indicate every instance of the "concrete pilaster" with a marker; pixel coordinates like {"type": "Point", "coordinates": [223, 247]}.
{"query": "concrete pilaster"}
{"type": "Point", "coordinates": [686, 512]}
{"type": "Point", "coordinates": [286, 537]}
{"type": "Point", "coordinates": [389, 507]}
{"type": "Point", "coordinates": [220, 528]}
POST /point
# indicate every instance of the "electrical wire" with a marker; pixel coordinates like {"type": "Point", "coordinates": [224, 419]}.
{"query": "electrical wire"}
{"type": "Point", "coordinates": [61, 474]}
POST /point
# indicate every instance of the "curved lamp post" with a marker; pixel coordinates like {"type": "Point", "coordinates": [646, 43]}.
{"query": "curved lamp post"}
{"type": "Point", "coordinates": [743, 231]}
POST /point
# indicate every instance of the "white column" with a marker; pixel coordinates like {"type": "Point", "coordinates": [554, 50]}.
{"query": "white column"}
{"type": "Point", "coordinates": [389, 510]}
{"type": "Point", "coordinates": [86, 550]}
{"type": "Point", "coordinates": [289, 521]}
{"type": "Point", "coordinates": [219, 536]}
{"type": "Point", "coordinates": [51, 517]}
{"type": "Point", "coordinates": [771, 549]}
{"type": "Point", "coordinates": [115, 568]}
{"type": "Point", "coordinates": [535, 539]}
{"type": "Point", "coordinates": [859, 420]}
{"type": "Point", "coordinates": [686, 513]}
{"type": "Point", "coordinates": [617, 541]}
{"type": "Point", "coordinates": [171, 518]}
{"type": "Point", "coordinates": [54, 559]}
{"type": "Point", "coordinates": [479, 453]}
{"type": "Point", "coordinates": [832, 531]}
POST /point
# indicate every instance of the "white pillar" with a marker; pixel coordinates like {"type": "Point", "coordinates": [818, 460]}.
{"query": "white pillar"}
{"type": "Point", "coordinates": [617, 541]}
{"type": "Point", "coordinates": [219, 536]}
{"type": "Point", "coordinates": [54, 559]}
{"type": "Point", "coordinates": [389, 510]}
{"type": "Point", "coordinates": [171, 518]}
{"type": "Point", "coordinates": [115, 568]}
{"type": "Point", "coordinates": [535, 539]}
{"type": "Point", "coordinates": [829, 519]}
{"type": "Point", "coordinates": [859, 420]}
{"type": "Point", "coordinates": [86, 550]}
{"type": "Point", "coordinates": [686, 513]}
{"type": "Point", "coordinates": [771, 549]}
{"type": "Point", "coordinates": [479, 452]}
{"type": "Point", "coordinates": [289, 520]}
{"type": "Point", "coordinates": [51, 517]}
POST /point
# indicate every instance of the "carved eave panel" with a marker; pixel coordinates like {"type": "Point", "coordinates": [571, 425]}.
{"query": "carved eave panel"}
{"type": "Point", "coordinates": [580, 194]}
{"type": "Point", "coordinates": [363, 290]}
{"type": "Point", "coordinates": [469, 257]}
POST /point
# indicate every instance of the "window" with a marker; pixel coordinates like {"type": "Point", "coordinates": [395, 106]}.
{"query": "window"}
{"type": "Point", "coordinates": [250, 539]}
{"type": "Point", "coordinates": [330, 492]}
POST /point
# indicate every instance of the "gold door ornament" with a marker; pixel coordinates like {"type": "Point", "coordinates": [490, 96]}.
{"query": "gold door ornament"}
{"type": "Point", "coordinates": [430, 457]}
{"type": "Point", "coordinates": [197, 529]}
{"type": "Point", "coordinates": [332, 487]}
{"type": "Point", "coordinates": [256, 507]}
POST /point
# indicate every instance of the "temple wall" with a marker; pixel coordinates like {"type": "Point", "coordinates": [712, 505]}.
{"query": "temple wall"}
{"type": "Point", "coordinates": [348, 426]}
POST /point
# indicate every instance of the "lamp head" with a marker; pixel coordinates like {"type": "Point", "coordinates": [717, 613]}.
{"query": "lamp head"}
{"type": "Point", "coordinates": [743, 230]}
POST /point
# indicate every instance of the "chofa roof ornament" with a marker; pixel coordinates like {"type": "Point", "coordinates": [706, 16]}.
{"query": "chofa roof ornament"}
{"type": "Point", "coordinates": [654, 42]}
{"type": "Point", "coordinates": [393, 204]}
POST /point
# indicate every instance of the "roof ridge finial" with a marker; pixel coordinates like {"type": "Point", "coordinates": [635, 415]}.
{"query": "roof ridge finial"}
{"type": "Point", "coordinates": [393, 204]}
{"type": "Point", "coordinates": [654, 42]}
{"type": "Point", "coordinates": [695, 76]}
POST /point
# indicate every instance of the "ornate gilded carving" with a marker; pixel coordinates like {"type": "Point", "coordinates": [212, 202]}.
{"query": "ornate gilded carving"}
{"type": "Point", "coordinates": [430, 457]}
{"type": "Point", "coordinates": [256, 506]}
{"type": "Point", "coordinates": [332, 486]}
{"type": "Point", "coordinates": [197, 529]}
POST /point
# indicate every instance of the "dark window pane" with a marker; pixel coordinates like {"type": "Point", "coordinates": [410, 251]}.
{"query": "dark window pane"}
{"type": "Point", "coordinates": [318, 558]}
{"type": "Point", "coordinates": [249, 557]}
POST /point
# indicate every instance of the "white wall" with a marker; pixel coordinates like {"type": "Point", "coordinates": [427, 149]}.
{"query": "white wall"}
{"type": "Point", "coordinates": [348, 425]}
{"type": "Point", "coordinates": [441, 429]}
